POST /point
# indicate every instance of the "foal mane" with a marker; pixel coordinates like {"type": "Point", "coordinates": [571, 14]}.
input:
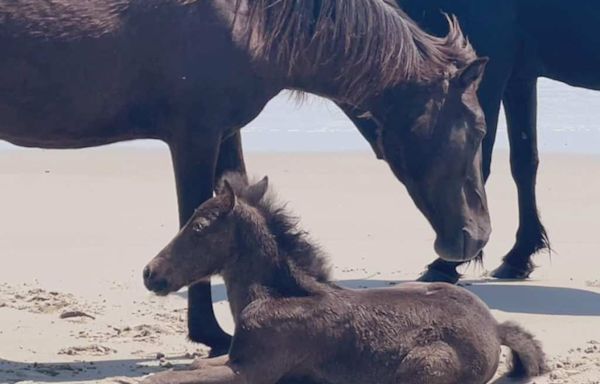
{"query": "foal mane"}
{"type": "Point", "coordinates": [295, 250]}
{"type": "Point", "coordinates": [373, 43]}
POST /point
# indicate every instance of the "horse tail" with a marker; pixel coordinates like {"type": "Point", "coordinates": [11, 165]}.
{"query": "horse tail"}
{"type": "Point", "coordinates": [528, 358]}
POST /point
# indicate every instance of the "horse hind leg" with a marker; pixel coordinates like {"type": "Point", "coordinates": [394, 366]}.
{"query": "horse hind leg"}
{"type": "Point", "coordinates": [194, 160]}
{"type": "Point", "coordinates": [520, 103]}
{"type": "Point", "coordinates": [436, 363]}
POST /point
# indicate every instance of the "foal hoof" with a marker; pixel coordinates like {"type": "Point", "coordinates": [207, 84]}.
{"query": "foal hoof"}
{"type": "Point", "coordinates": [510, 272]}
{"type": "Point", "coordinates": [198, 363]}
{"type": "Point", "coordinates": [433, 275]}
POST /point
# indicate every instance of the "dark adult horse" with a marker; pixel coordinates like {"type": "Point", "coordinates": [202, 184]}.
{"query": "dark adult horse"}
{"type": "Point", "coordinates": [191, 73]}
{"type": "Point", "coordinates": [524, 39]}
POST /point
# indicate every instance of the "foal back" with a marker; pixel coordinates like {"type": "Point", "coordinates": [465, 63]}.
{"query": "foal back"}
{"type": "Point", "coordinates": [416, 333]}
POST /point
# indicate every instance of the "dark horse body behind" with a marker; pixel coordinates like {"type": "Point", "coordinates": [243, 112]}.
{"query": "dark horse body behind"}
{"type": "Point", "coordinates": [525, 40]}
{"type": "Point", "coordinates": [191, 73]}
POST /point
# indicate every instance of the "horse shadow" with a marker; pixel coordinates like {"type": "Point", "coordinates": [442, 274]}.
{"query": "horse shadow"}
{"type": "Point", "coordinates": [78, 371]}
{"type": "Point", "coordinates": [512, 297]}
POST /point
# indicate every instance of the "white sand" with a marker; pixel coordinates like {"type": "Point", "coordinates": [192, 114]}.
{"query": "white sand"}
{"type": "Point", "coordinates": [77, 227]}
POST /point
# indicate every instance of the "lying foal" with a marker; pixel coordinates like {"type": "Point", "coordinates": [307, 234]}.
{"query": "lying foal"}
{"type": "Point", "coordinates": [292, 322]}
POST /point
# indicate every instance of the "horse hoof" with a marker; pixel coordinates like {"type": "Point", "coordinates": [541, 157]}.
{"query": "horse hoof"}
{"type": "Point", "coordinates": [219, 350]}
{"type": "Point", "coordinates": [436, 276]}
{"type": "Point", "coordinates": [218, 345]}
{"type": "Point", "coordinates": [507, 271]}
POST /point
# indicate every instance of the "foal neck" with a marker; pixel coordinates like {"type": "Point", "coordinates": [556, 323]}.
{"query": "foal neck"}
{"type": "Point", "coordinates": [262, 265]}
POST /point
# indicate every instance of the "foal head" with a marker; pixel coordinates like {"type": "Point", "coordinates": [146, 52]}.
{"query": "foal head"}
{"type": "Point", "coordinates": [207, 244]}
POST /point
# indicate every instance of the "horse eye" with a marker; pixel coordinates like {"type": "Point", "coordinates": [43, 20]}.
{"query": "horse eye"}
{"type": "Point", "coordinates": [201, 225]}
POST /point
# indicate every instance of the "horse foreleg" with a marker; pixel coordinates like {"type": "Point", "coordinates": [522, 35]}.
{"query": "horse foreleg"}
{"type": "Point", "coordinates": [194, 160]}
{"type": "Point", "coordinates": [231, 156]}
{"type": "Point", "coordinates": [211, 375]}
{"type": "Point", "coordinates": [520, 103]}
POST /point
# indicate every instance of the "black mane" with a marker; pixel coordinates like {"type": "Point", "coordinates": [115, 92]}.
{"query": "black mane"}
{"type": "Point", "coordinates": [375, 44]}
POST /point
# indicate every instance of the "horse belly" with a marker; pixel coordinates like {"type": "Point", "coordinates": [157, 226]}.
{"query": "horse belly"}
{"type": "Point", "coordinates": [52, 92]}
{"type": "Point", "coordinates": [565, 37]}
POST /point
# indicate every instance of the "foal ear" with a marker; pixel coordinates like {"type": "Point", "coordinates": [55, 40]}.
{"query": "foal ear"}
{"type": "Point", "coordinates": [473, 72]}
{"type": "Point", "coordinates": [256, 192]}
{"type": "Point", "coordinates": [229, 199]}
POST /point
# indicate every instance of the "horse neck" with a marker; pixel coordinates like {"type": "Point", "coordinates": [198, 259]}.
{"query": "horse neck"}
{"type": "Point", "coordinates": [344, 50]}
{"type": "Point", "coordinates": [325, 83]}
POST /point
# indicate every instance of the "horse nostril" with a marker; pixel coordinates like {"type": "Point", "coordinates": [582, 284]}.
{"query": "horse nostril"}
{"type": "Point", "coordinates": [160, 285]}
{"type": "Point", "coordinates": [147, 273]}
{"type": "Point", "coordinates": [153, 281]}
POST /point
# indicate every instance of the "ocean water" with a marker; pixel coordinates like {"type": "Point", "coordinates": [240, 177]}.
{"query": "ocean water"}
{"type": "Point", "coordinates": [568, 121]}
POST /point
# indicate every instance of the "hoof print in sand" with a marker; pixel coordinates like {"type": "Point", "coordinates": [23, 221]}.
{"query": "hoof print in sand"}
{"type": "Point", "coordinates": [581, 365]}
{"type": "Point", "coordinates": [37, 300]}
{"type": "Point", "coordinates": [88, 350]}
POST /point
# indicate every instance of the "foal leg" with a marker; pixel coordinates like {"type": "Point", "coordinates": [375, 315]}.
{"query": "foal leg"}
{"type": "Point", "coordinates": [520, 103]}
{"type": "Point", "coordinates": [256, 369]}
{"type": "Point", "coordinates": [194, 160]}
{"type": "Point", "coordinates": [437, 363]}
{"type": "Point", "coordinates": [211, 375]}
{"type": "Point", "coordinates": [202, 363]}
{"type": "Point", "coordinates": [220, 374]}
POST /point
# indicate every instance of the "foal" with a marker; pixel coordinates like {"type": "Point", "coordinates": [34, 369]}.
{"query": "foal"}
{"type": "Point", "coordinates": [293, 323]}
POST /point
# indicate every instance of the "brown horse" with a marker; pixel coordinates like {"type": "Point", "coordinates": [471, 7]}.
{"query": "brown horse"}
{"type": "Point", "coordinates": [292, 322]}
{"type": "Point", "coordinates": [192, 73]}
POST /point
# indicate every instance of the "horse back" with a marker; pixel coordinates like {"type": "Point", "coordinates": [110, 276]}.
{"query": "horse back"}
{"type": "Point", "coordinates": [83, 73]}
{"type": "Point", "coordinates": [61, 20]}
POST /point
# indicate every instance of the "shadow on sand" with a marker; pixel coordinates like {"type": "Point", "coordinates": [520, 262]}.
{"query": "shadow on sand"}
{"type": "Point", "coordinates": [505, 296]}
{"type": "Point", "coordinates": [538, 300]}
{"type": "Point", "coordinates": [519, 298]}
{"type": "Point", "coordinates": [12, 372]}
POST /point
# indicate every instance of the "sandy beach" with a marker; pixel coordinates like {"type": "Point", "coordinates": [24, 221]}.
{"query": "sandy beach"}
{"type": "Point", "coordinates": [77, 227]}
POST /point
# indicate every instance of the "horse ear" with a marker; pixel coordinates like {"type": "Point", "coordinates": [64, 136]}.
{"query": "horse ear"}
{"type": "Point", "coordinates": [473, 72]}
{"type": "Point", "coordinates": [228, 196]}
{"type": "Point", "coordinates": [257, 191]}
